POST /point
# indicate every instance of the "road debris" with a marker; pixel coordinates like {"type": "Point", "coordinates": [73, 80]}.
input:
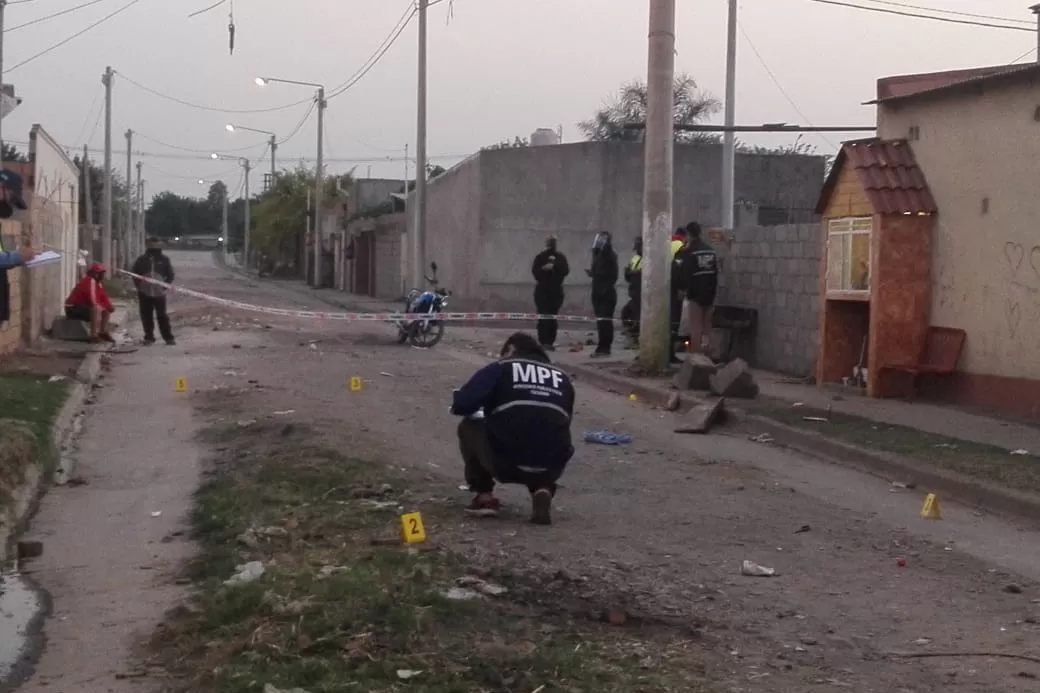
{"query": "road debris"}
{"type": "Point", "coordinates": [763, 438]}
{"type": "Point", "coordinates": [268, 688]}
{"type": "Point", "coordinates": [607, 438]}
{"type": "Point", "coordinates": [481, 586]}
{"type": "Point", "coordinates": [803, 529]}
{"type": "Point", "coordinates": [405, 674]}
{"type": "Point", "coordinates": [703, 415]}
{"type": "Point", "coordinates": [815, 419]}
{"type": "Point", "coordinates": [1020, 451]}
{"type": "Point", "coordinates": [752, 569]}
{"type": "Point", "coordinates": [246, 573]}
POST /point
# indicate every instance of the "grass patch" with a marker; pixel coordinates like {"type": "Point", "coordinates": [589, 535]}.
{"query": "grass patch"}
{"type": "Point", "coordinates": [343, 606]}
{"type": "Point", "coordinates": [32, 400]}
{"type": "Point", "coordinates": [986, 462]}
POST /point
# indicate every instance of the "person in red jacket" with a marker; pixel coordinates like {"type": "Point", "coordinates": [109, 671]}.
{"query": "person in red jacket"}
{"type": "Point", "coordinates": [89, 302]}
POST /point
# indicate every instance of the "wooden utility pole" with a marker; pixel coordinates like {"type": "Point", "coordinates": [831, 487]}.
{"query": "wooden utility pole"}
{"type": "Point", "coordinates": [654, 328]}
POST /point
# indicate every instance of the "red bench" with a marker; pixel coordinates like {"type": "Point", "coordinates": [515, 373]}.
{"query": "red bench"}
{"type": "Point", "coordinates": [942, 350]}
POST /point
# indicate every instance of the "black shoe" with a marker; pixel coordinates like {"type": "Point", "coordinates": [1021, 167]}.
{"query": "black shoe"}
{"type": "Point", "coordinates": [541, 507]}
{"type": "Point", "coordinates": [599, 354]}
{"type": "Point", "coordinates": [171, 342]}
{"type": "Point", "coordinates": [148, 341]}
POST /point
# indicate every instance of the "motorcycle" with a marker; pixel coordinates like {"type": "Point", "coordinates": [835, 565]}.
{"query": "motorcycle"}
{"type": "Point", "coordinates": [424, 332]}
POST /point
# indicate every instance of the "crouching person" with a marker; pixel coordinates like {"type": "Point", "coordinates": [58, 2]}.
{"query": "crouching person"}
{"type": "Point", "coordinates": [524, 435]}
{"type": "Point", "coordinates": [89, 303]}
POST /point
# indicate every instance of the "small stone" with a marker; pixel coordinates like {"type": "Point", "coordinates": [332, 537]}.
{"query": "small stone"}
{"type": "Point", "coordinates": [734, 380]}
{"type": "Point", "coordinates": [674, 400]}
{"type": "Point", "coordinates": [1013, 589]}
{"type": "Point", "coordinates": [617, 616]}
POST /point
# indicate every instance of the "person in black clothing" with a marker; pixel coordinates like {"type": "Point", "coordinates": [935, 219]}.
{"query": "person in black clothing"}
{"type": "Point", "coordinates": [550, 268]}
{"type": "Point", "coordinates": [630, 314]}
{"type": "Point", "coordinates": [151, 297]}
{"type": "Point", "coordinates": [604, 273]}
{"type": "Point", "coordinates": [677, 289]}
{"type": "Point", "coordinates": [701, 272]}
{"type": "Point", "coordinates": [517, 427]}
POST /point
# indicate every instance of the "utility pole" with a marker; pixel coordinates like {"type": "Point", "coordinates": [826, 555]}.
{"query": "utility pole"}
{"type": "Point", "coordinates": [3, 8]}
{"type": "Point", "coordinates": [274, 148]}
{"type": "Point", "coordinates": [654, 331]}
{"type": "Point", "coordinates": [88, 202]}
{"type": "Point", "coordinates": [106, 202]}
{"type": "Point", "coordinates": [139, 229]}
{"type": "Point", "coordinates": [224, 222]}
{"type": "Point", "coordinates": [319, 184]}
{"type": "Point", "coordinates": [245, 234]}
{"type": "Point", "coordinates": [1035, 9]}
{"type": "Point", "coordinates": [419, 237]}
{"type": "Point", "coordinates": [128, 244]}
{"type": "Point", "coordinates": [729, 140]}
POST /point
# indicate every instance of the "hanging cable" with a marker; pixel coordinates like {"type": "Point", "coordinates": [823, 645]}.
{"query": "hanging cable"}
{"type": "Point", "coordinates": [211, 109]}
{"type": "Point", "coordinates": [52, 16]}
{"type": "Point", "coordinates": [956, 13]}
{"type": "Point", "coordinates": [76, 35]}
{"type": "Point", "coordinates": [950, 20]}
{"type": "Point", "coordinates": [374, 59]}
{"type": "Point", "coordinates": [192, 149]}
{"type": "Point", "coordinates": [299, 126]}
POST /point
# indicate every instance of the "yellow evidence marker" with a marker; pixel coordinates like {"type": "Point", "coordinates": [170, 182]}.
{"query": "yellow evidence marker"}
{"type": "Point", "coordinates": [931, 510]}
{"type": "Point", "coordinates": [412, 529]}
{"type": "Point", "coordinates": [180, 385]}
{"type": "Point", "coordinates": [355, 384]}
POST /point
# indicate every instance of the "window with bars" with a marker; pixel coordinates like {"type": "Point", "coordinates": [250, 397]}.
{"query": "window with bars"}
{"type": "Point", "coordinates": [848, 254]}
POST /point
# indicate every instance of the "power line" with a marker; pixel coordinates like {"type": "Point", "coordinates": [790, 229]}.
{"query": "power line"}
{"type": "Point", "coordinates": [76, 35]}
{"type": "Point", "coordinates": [192, 149]}
{"type": "Point", "coordinates": [299, 126]}
{"type": "Point", "coordinates": [956, 13]}
{"type": "Point", "coordinates": [374, 59]}
{"type": "Point", "coordinates": [52, 16]}
{"type": "Point", "coordinates": [915, 15]}
{"type": "Point", "coordinates": [1024, 55]}
{"type": "Point", "coordinates": [90, 111]}
{"type": "Point", "coordinates": [204, 10]}
{"type": "Point", "coordinates": [211, 109]}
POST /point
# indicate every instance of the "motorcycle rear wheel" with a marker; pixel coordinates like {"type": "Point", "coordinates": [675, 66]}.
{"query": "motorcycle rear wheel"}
{"type": "Point", "coordinates": [428, 335]}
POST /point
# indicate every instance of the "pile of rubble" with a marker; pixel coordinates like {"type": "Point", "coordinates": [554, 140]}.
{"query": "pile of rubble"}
{"type": "Point", "coordinates": [717, 382]}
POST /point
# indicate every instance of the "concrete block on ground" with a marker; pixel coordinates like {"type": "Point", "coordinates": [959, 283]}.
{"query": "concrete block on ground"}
{"type": "Point", "coordinates": [70, 330]}
{"type": "Point", "coordinates": [734, 380]}
{"type": "Point", "coordinates": [695, 373]}
{"type": "Point", "coordinates": [704, 414]}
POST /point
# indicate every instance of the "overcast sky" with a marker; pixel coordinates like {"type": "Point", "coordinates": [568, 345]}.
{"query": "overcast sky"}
{"type": "Point", "coordinates": [498, 68]}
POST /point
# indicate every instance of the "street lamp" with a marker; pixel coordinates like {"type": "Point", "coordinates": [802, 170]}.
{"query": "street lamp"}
{"type": "Point", "coordinates": [318, 177]}
{"type": "Point", "coordinates": [230, 127]}
{"type": "Point", "coordinates": [247, 166]}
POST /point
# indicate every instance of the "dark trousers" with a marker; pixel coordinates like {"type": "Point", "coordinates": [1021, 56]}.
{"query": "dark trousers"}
{"type": "Point", "coordinates": [674, 318]}
{"type": "Point", "coordinates": [603, 305]}
{"type": "Point", "coordinates": [632, 312]}
{"type": "Point", "coordinates": [547, 301]}
{"type": "Point", "coordinates": [484, 467]}
{"type": "Point", "coordinates": [154, 309]}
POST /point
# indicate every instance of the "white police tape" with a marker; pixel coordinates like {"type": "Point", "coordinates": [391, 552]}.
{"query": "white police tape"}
{"type": "Point", "coordinates": [360, 317]}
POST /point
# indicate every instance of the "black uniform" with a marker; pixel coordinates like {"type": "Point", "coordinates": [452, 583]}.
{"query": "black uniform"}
{"type": "Point", "coordinates": [630, 314]}
{"type": "Point", "coordinates": [701, 273]}
{"type": "Point", "coordinates": [548, 291]}
{"type": "Point", "coordinates": [604, 274]}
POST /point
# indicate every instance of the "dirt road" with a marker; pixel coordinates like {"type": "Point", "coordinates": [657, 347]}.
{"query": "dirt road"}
{"type": "Point", "coordinates": [659, 527]}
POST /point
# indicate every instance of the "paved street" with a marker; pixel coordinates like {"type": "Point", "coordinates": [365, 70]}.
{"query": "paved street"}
{"type": "Point", "coordinates": [660, 526]}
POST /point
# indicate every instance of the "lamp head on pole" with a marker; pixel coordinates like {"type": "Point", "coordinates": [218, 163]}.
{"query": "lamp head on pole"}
{"type": "Point", "coordinates": [261, 82]}
{"type": "Point", "coordinates": [229, 127]}
{"type": "Point", "coordinates": [214, 156]}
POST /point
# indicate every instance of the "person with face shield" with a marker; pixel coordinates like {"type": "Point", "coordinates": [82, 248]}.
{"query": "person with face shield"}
{"type": "Point", "coordinates": [550, 268]}
{"type": "Point", "coordinates": [604, 274]}
{"type": "Point", "coordinates": [151, 297]}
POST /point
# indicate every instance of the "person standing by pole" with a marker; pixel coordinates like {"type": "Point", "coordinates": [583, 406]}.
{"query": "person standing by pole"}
{"type": "Point", "coordinates": [604, 274]}
{"type": "Point", "coordinates": [701, 280]}
{"type": "Point", "coordinates": [549, 268]}
{"type": "Point", "coordinates": [675, 297]}
{"type": "Point", "coordinates": [634, 278]}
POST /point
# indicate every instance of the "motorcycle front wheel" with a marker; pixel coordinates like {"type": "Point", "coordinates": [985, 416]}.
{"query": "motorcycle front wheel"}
{"type": "Point", "coordinates": [427, 334]}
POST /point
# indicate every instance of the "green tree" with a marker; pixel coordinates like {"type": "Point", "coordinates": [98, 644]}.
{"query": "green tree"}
{"type": "Point", "coordinates": [97, 193]}
{"type": "Point", "coordinates": [280, 219]}
{"type": "Point", "coordinates": [690, 105]}
{"type": "Point", "coordinates": [11, 154]}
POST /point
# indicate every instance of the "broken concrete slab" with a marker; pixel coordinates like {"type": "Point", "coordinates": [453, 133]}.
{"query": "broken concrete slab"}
{"type": "Point", "coordinates": [695, 373]}
{"type": "Point", "coordinates": [70, 330]}
{"type": "Point", "coordinates": [734, 380]}
{"type": "Point", "coordinates": [704, 414]}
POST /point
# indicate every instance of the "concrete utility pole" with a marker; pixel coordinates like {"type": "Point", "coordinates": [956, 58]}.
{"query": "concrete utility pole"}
{"type": "Point", "coordinates": [3, 8]}
{"type": "Point", "coordinates": [657, 188]}
{"type": "Point", "coordinates": [1035, 9]}
{"type": "Point", "coordinates": [319, 184]}
{"type": "Point", "coordinates": [128, 238]}
{"type": "Point", "coordinates": [88, 202]}
{"type": "Point", "coordinates": [224, 221]}
{"type": "Point", "coordinates": [729, 140]}
{"type": "Point", "coordinates": [419, 237]}
{"type": "Point", "coordinates": [106, 202]}
{"type": "Point", "coordinates": [139, 229]}
{"type": "Point", "coordinates": [248, 222]}
{"type": "Point", "coordinates": [274, 148]}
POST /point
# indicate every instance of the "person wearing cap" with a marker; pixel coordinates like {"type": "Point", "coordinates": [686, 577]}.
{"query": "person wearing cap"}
{"type": "Point", "coordinates": [151, 268]}
{"type": "Point", "coordinates": [11, 185]}
{"type": "Point", "coordinates": [549, 268]}
{"type": "Point", "coordinates": [89, 302]}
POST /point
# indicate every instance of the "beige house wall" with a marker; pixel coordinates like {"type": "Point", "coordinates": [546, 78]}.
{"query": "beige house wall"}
{"type": "Point", "coordinates": [980, 152]}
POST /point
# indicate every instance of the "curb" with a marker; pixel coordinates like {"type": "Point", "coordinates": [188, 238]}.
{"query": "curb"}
{"type": "Point", "coordinates": [957, 487]}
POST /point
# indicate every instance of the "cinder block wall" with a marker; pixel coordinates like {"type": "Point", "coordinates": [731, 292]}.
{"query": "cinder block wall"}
{"type": "Point", "coordinates": [775, 270]}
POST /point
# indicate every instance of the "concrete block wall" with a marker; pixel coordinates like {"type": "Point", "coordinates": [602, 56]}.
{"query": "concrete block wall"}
{"type": "Point", "coordinates": [389, 237]}
{"type": "Point", "coordinates": [775, 270]}
{"type": "Point", "coordinates": [11, 331]}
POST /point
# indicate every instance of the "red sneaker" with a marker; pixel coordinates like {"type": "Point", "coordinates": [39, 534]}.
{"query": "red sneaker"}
{"type": "Point", "coordinates": [484, 506]}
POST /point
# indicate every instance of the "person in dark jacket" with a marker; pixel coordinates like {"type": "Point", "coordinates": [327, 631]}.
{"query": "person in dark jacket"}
{"type": "Point", "coordinates": [151, 296]}
{"type": "Point", "coordinates": [701, 272]}
{"type": "Point", "coordinates": [677, 289]}
{"type": "Point", "coordinates": [517, 427]}
{"type": "Point", "coordinates": [549, 268]}
{"type": "Point", "coordinates": [630, 314]}
{"type": "Point", "coordinates": [604, 273]}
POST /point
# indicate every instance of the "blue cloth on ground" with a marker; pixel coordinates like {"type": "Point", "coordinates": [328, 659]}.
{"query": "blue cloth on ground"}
{"type": "Point", "coordinates": [607, 438]}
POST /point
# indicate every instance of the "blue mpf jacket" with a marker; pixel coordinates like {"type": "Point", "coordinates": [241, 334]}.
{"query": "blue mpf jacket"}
{"type": "Point", "coordinates": [528, 404]}
{"type": "Point", "coordinates": [10, 260]}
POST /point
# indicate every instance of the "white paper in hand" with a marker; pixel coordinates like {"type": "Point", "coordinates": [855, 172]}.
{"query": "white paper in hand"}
{"type": "Point", "coordinates": [44, 258]}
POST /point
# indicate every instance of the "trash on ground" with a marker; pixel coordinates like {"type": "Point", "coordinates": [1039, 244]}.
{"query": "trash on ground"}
{"type": "Point", "coordinates": [245, 423]}
{"type": "Point", "coordinates": [157, 513]}
{"type": "Point", "coordinates": [607, 438]}
{"type": "Point", "coordinates": [803, 529]}
{"type": "Point", "coordinates": [1020, 451]}
{"type": "Point", "coordinates": [327, 571]}
{"type": "Point", "coordinates": [56, 379]}
{"type": "Point", "coordinates": [817, 419]}
{"type": "Point", "coordinates": [460, 594]}
{"type": "Point", "coordinates": [761, 438]}
{"type": "Point", "coordinates": [948, 446]}
{"type": "Point", "coordinates": [922, 641]}
{"type": "Point", "coordinates": [285, 413]}
{"type": "Point", "coordinates": [386, 375]}
{"type": "Point", "coordinates": [752, 569]}
{"type": "Point", "coordinates": [381, 505]}
{"type": "Point", "coordinates": [798, 404]}
{"type": "Point", "coordinates": [405, 674]}
{"type": "Point", "coordinates": [901, 562]}
{"type": "Point", "coordinates": [268, 688]}
{"type": "Point", "coordinates": [481, 586]}
{"type": "Point", "coordinates": [246, 573]}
